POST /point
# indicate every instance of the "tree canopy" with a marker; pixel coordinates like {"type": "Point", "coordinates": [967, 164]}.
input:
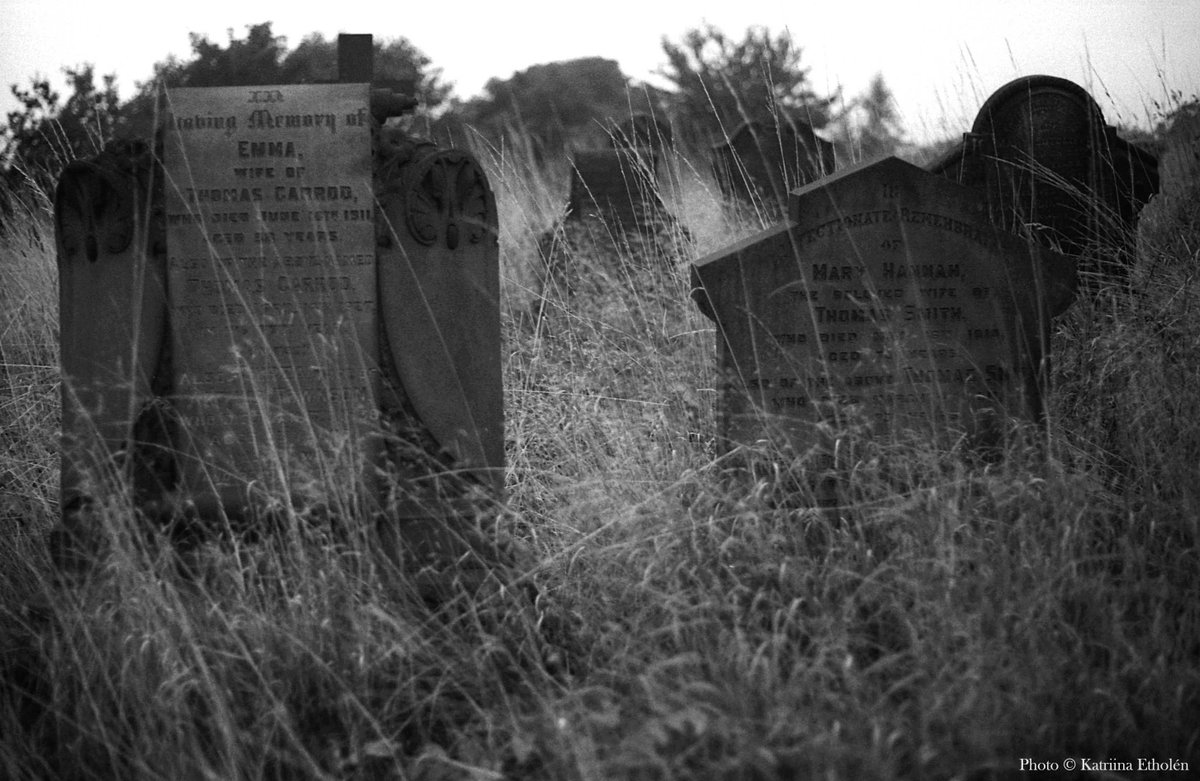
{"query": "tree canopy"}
{"type": "Point", "coordinates": [46, 134]}
{"type": "Point", "coordinates": [263, 58]}
{"type": "Point", "coordinates": [559, 101]}
{"type": "Point", "coordinates": [869, 126]}
{"type": "Point", "coordinates": [719, 82]}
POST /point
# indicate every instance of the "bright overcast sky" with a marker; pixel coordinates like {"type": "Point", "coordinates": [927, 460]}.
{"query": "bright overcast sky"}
{"type": "Point", "coordinates": [941, 59]}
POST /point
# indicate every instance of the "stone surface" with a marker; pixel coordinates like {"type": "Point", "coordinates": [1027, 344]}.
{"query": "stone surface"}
{"type": "Point", "coordinates": [761, 162]}
{"type": "Point", "coordinates": [439, 282]}
{"type": "Point", "coordinates": [112, 310]}
{"type": "Point", "coordinates": [642, 131]}
{"type": "Point", "coordinates": [885, 299]}
{"type": "Point", "coordinates": [616, 187]}
{"type": "Point", "coordinates": [1048, 165]}
{"type": "Point", "coordinates": [270, 226]}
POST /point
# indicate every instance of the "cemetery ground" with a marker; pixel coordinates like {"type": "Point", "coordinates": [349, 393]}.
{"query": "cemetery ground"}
{"type": "Point", "coordinates": [660, 615]}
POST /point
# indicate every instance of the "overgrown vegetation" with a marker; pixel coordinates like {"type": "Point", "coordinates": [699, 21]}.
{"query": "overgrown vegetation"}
{"type": "Point", "coordinates": [665, 617]}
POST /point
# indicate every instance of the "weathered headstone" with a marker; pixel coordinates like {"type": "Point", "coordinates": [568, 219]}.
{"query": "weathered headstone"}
{"type": "Point", "coordinates": [886, 298]}
{"type": "Point", "coordinates": [1048, 165]}
{"type": "Point", "coordinates": [643, 132]}
{"type": "Point", "coordinates": [616, 187]}
{"type": "Point", "coordinates": [271, 236]}
{"type": "Point", "coordinates": [112, 313]}
{"type": "Point", "coordinates": [615, 215]}
{"type": "Point", "coordinates": [761, 162]}
{"type": "Point", "coordinates": [291, 292]}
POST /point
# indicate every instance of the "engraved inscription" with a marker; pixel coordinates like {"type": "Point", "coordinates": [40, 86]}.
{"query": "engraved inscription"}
{"type": "Point", "coordinates": [272, 271]}
{"type": "Point", "coordinates": [887, 298]}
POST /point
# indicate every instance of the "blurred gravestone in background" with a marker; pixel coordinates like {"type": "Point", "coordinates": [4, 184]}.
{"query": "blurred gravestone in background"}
{"type": "Point", "coordinates": [281, 300]}
{"type": "Point", "coordinates": [618, 186]}
{"type": "Point", "coordinates": [762, 161]}
{"type": "Point", "coordinates": [1049, 166]}
{"type": "Point", "coordinates": [885, 300]}
{"type": "Point", "coordinates": [644, 133]}
{"type": "Point", "coordinates": [615, 214]}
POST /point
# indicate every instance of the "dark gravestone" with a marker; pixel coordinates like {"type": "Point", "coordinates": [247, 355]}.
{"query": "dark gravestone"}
{"type": "Point", "coordinates": [761, 162]}
{"type": "Point", "coordinates": [1048, 165]}
{"type": "Point", "coordinates": [886, 299]}
{"type": "Point", "coordinates": [643, 132]}
{"type": "Point", "coordinates": [616, 187]}
{"type": "Point", "coordinates": [356, 57]}
{"type": "Point", "coordinates": [332, 312]}
{"type": "Point", "coordinates": [112, 313]}
{"type": "Point", "coordinates": [615, 217]}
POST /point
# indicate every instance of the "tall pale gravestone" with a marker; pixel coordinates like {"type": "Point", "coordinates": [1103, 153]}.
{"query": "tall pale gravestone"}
{"type": "Point", "coordinates": [288, 293]}
{"type": "Point", "coordinates": [271, 266]}
{"type": "Point", "coordinates": [1048, 165]}
{"type": "Point", "coordinates": [885, 299]}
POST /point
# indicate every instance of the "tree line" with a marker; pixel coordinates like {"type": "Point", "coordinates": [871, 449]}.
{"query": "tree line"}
{"type": "Point", "coordinates": [715, 83]}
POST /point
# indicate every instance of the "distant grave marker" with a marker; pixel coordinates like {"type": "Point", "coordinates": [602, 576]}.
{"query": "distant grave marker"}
{"type": "Point", "coordinates": [1042, 155]}
{"type": "Point", "coordinates": [615, 187]}
{"type": "Point", "coordinates": [293, 292]}
{"type": "Point", "coordinates": [615, 215]}
{"type": "Point", "coordinates": [643, 132]}
{"type": "Point", "coordinates": [885, 298]}
{"type": "Point", "coordinates": [761, 162]}
{"type": "Point", "coordinates": [618, 186]}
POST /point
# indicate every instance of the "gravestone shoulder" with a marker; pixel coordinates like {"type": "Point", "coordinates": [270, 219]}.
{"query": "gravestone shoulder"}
{"type": "Point", "coordinates": [886, 291]}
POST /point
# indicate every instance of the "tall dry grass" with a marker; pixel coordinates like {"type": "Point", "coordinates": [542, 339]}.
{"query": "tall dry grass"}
{"type": "Point", "coordinates": [668, 619]}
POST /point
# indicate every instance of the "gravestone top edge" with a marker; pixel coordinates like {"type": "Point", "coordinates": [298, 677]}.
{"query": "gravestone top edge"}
{"type": "Point", "coordinates": [330, 85]}
{"type": "Point", "coordinates": [843, 178]}
{"type": "Point", "coordinates": [766, 127]}
{"type": "Point", "coordinates": [821, 317]}
{"type": "Point", "coordinates": [1028, 85]}
{"type": "Point", "coordinates": [852, 170]}
{"type": "Point", "coordinates": [969, 204]}
{"type": "Point", "coordinates": [730, 250]}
